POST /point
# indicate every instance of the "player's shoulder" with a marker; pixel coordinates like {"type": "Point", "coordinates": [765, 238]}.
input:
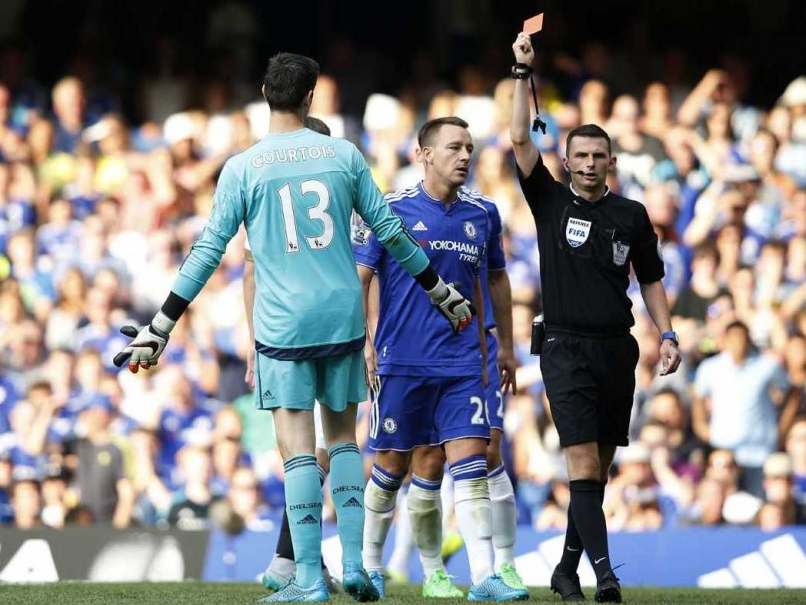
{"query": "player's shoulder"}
{"type": "Point", "coordinates": [476, 201]}
{"type": "Point", "coordinates": [343, 148]}
{"type": "Point", "coordinates": [402, 195]}
{"type": "Point", "coordinates": [237, 163]}
{"type": "Point", "coordinates": [474, 195]}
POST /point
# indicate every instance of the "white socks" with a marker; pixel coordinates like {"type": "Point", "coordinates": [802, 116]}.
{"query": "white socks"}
{"type": "Point", "coordinates": [404, 540]}
{"type": "Point", "coordinates": [379, 510]}
{"type": "Point", "coordinates": [473, 514]}
{"type": "Point", "coordinates": [425, 512]}
{"type": "Point", "coordinates": [505, 516]}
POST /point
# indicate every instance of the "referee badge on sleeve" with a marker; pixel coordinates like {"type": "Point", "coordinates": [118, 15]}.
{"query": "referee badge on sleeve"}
{"type": "Point", "coordinates": [620, 253]}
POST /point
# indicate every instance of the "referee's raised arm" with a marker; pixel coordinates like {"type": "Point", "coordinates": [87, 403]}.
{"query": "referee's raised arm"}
{"type": "Point", "coordinates": [526, 153]}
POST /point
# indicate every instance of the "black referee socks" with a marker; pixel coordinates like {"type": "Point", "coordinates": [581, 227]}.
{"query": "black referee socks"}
{"type": "Point", "coordinates": [572, 551]}
{"type": "Point", "coordinates": [589, 519]}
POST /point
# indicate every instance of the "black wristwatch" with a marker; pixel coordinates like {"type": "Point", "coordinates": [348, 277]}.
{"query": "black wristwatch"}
{"type": "Point", "coordinates": [521, 71]}
{"type": "Point", "coordinates": [670, 336]}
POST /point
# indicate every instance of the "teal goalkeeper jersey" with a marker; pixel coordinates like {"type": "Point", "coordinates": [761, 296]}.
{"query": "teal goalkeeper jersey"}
{"type": "Point", "coordinates": [295, 192]}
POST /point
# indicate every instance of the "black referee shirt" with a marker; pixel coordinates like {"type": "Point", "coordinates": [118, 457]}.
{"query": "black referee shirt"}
{"type": "Point", "coordinates": [586, 249]}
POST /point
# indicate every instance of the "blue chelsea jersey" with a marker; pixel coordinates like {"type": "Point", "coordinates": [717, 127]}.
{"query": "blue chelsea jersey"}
{"type": "Point", "coordinates": [413, 338]}
{"type": "Point", "coordinates": [496, 260]}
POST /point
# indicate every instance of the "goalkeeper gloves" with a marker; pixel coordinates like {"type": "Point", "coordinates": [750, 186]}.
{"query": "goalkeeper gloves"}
{"type": "Point", "coordinates": [148, 344]}
{"type": "Point", "coordinates": [449, 301]}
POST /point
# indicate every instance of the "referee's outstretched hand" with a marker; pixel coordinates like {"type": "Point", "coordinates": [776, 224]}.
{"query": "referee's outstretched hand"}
{"type": "Point", "coordinates": [669, 357]}
{"type": "Point", "coordinates": [524, 53]}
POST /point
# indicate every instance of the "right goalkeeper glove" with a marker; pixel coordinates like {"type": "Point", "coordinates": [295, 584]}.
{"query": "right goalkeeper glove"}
{"type": "Point", "coordinates": [148, 344]}
{"type": "Point", "coordinates": [450, 302]}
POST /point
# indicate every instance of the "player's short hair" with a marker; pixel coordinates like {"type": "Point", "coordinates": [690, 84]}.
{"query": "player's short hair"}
{"type": "Point", "coordinates": [289, 78]}
{"type": "Point", "coordinates": [587, 130]}
{"type": "Point", "coordinates": [317, 125]}
{"type": "Point", "coordinates": [430, 129]}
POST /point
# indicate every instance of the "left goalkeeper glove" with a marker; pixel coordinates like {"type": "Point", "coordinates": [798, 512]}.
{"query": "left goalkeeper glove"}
{"type": "Point", "coordinates": [148, 344]}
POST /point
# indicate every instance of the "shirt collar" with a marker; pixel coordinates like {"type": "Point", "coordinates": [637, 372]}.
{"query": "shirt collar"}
{"type": "Point", "coordinates": [421, 185]}
{"type": "Point", "coordinates": [576, 195]}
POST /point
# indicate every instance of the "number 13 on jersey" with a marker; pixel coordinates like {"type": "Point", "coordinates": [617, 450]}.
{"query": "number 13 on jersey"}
{"type": "Point", "coordinates": [318, 212]}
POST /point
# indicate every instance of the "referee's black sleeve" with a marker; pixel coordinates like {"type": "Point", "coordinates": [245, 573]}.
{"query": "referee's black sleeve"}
{"type": "Point", "coordinates": [648, 258]}
{"type": "Point", "coordinates": [538, 186]}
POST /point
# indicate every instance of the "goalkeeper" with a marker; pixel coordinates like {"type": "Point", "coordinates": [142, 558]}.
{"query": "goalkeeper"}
{"type": "Point", "coordinates": [295, 191]}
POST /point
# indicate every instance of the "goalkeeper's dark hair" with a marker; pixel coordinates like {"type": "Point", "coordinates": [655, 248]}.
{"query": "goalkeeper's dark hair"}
{"type": "Point", "coordinates": [288, 80]}
{"type": "Point", "coordinates": [317, 125]}
{"type": "Point", "coordinates": [429, 130]}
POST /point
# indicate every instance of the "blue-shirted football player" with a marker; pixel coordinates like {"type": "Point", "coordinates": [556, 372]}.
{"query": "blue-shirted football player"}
{"type": "Point", "coordinates": [295, 190]}
{"type": "Point", "coordinates": [501, 367]}
{"type": "Point", "coordinates": [429, 387]}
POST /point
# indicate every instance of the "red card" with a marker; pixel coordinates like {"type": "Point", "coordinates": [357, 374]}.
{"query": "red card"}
{"type": "Point", "coordinates": [533, 25]}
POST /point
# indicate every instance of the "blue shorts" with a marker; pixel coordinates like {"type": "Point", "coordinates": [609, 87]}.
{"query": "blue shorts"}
{"type": "Point", "coordinates": [410, 411]}
{"type": "Point", "coordinates": [493, 395]}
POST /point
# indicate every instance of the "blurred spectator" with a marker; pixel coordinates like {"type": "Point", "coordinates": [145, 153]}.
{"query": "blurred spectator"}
{"type": "Point", "coordinates": [244, 496]}
{"type": "Point", "coordinates": [6, 490]}
{"type": "Point", "coordinates": [69, 104]}
{"type": "Point", "coordinates": [55, 496]}
{"type": "Point", "coordinates": [796, 448]}
{"type": "Point", "coordinates": [192, 501]}
{"type": "Point", "coordinates": [637, 152]}
{"type": "Point", "coordinates": [708, 503]}
{"type": "Point", "coordinates": [778, 489]}
{"type": "Point", "coordinates": [27, 503]}
{"type": "Point", "coordinates": [736, 396]}
{"type": "Point", "coordinates": [103, 486]}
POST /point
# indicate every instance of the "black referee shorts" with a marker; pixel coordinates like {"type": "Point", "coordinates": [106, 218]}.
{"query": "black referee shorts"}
{"type": "Point", "coordinates": [590, 383]}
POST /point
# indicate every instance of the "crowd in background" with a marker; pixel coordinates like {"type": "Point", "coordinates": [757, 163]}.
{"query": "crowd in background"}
{"type": "Point", "coordinates": [96, 215]}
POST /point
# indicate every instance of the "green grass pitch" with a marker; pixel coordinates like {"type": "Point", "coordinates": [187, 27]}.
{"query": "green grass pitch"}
{"type": "Point", "coordinates": [200, 593]}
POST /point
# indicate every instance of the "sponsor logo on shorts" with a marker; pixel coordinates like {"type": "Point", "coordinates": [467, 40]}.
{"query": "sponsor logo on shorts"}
{"type": "Point", "coordinates": [389, 426]}
{"type": "Point", "coordinates": [267, 396]}
{"type": "Point", "coordinates": [352, 503]}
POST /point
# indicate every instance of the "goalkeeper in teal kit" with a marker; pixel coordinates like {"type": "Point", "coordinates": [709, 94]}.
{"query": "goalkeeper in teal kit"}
{"type": "Point", "coordinates": [295, 191]}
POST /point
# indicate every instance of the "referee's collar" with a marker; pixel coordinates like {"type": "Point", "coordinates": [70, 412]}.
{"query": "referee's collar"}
{"type": "Point", "coordinates": [594, 202]}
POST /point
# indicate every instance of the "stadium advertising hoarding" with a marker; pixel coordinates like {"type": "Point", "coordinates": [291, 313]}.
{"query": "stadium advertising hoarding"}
{"type": "Point", "coordinates": [101, 554]}
{"type": "Point", "coordinates": [720, 558]}
{"type": "Point", "coordinates": [728, 557]}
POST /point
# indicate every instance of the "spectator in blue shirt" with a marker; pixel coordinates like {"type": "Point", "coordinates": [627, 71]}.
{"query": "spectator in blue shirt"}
{"type": "Point", "coordinates": [737, 394]}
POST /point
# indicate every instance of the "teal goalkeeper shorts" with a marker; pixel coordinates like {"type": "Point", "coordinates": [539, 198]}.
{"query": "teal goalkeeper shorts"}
{"type": "Point", "coordinates": [296, 385]}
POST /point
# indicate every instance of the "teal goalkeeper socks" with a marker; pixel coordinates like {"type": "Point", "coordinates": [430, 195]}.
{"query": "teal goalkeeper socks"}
{"type": "Point", "coordinates": [347, 489]}
{"type": "Point", "coordinates": [303, 503]}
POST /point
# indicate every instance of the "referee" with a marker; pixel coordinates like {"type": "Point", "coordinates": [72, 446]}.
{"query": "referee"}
{"type": "Point", "coordinates": [588, 238]}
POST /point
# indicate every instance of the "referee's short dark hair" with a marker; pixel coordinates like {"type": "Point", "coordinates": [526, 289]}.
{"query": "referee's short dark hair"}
{"type": "Point", "coordinates": [430, 129]}
{"type": "Point", "coordinates": [588, 130]}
